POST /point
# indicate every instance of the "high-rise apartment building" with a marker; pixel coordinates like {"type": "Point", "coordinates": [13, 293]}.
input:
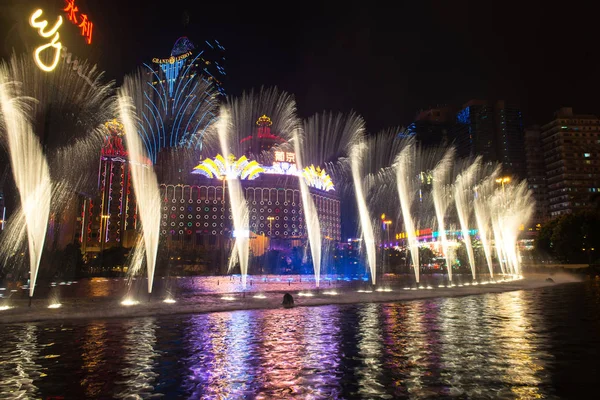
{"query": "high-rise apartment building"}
{"type": "Point", "coordinates": [571, 145]}
{"type": "Point", "coordinates": [493, 131]}
{"type": "Point", "coordinates": [536, 173]}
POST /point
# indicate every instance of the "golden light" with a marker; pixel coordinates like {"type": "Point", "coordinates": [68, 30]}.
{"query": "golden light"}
{"type": "Point", "coordinates": [41, 26]}
{"type": "Point", "coordinates": [504, 179]}
{"type": "Point", "coordinates": [55, 305]}
{"type": "Point", "coordinates": [129, 302]}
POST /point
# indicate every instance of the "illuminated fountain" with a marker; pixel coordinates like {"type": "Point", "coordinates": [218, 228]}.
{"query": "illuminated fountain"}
{"type": "Point", "coordinates": [313, 227]}
{"type": "Point", "coordinates": [442, 198]}
{"type": "Point", "coordinates": [406, 192]}
{"type": "Point", "coordinates": [463, 198]}
{"type": "Point", "coordinates": [356, 154]}
{"type": "Point", "coordinates": [482, 207]}
{"type": "Point", "coordinates": [239, 207]}
{"type": "Point", "coordinates": [145, 184]}
{"type": "Point", "coordinates": [511, 208]}
{"type": "Point", "coordinates": [30, 172]}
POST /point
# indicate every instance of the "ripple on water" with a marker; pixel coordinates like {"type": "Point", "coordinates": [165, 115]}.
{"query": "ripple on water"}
{"type": "Point", "coordinates": [523, 344]}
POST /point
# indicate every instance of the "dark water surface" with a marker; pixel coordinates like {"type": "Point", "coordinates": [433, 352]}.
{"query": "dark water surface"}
{"type": "Point", "coordinates": [542, 343]}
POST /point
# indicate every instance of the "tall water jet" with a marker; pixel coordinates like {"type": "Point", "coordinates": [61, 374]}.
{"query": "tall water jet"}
{"type": "Point", "coordinates": [30, 172]}
{"type": "Point", "coordinates": [495, 202]}
{"type": "Point", "coordinates": [516, 208]}
{"type": "Point", "coordinates": [145, 184]}
{"type": "Point", "coordinates": [463, 198]}
{"type": "Point", "coordinates": [323, 143]}
{"type": "Point", "coordinates": [406, 192]}
{"type": "Point", "coordinates": [313, 226]}
{"type": "Point", "coordinates": [239, 207]}
{"type": "Point", "coordinates": [442, 197]}
{"type": "Point", "coordinates": [481, 206]}
{"type": "Point", "coordinates": [356, 154]}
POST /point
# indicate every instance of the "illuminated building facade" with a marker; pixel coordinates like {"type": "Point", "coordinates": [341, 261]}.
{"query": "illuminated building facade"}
{"type": "Point", "coordinates": [110, 219]}
{"type": "Point", "coordinates": [199, 213]}
{"type": "Point", "coordinates": [179, 101]}
{"type": "Point", "coordinates": [571, 146]}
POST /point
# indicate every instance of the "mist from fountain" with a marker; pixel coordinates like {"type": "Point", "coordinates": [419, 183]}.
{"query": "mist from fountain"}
{"type": "Point", "coordinates": [463, 198]}
{"type": "Point", "coordinates": [442, 198]}
{"type": "Point", "coordinates": [145, 183]}
{"type": "Point", "coordinates": [30, 172]}
{"type": "Point", "coordinates": [406, 192]}
{"type": "Point", "coordinates": [357, 152]}
{"type": "Point", "coordinates": [512, 207]}
{"type": "Point", "coordinates": [239, 206]}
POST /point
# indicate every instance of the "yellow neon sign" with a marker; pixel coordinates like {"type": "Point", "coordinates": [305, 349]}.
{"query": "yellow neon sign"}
{"type": "Point", "coordinates": [172, 59]}
{"type": "Point", "coordinates": [41, 26]}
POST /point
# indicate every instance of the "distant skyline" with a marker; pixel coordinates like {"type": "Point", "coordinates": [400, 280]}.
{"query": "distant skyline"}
{"type": "Point", "coordinates": [384, 63]}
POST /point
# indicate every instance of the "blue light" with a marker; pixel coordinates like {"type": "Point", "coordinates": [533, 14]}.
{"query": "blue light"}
{"type": "Point", "coordinates": [463, 116]}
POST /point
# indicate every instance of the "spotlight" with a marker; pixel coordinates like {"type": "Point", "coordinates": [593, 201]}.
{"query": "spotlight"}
{"type": "Point", "coordinates": [55, 305]}
{"type": "Point", "coordinates": [129, 302]}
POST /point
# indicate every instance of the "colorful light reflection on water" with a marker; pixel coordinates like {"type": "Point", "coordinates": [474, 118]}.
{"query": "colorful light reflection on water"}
{"type": "Point", "coordinates": [524, 344]}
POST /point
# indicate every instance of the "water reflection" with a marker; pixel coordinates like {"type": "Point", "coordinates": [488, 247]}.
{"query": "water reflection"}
{"type": "Point", "coordinates": [370, 349]}
{"type": "Point", "coordinates": [281, 354]}
{"type": "Point", "coordinates": [137, 374]}
{"type": "Point", "coordinates": [219, 346]}
{"type": "Point", "coordinates": [515, 345]}
{"type": "Point", "coordinates": [93, 355]}
{"type": "Point", "coordinates": [525, 364]}
{"type": "Point", "coordinates": [19, 366]}
{"type": "Point", "coordinates": [322, 354]}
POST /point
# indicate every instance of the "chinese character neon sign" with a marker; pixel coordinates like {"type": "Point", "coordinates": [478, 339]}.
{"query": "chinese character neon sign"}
{"type": "Point", "coordinates": [54, 43]}
{"type": "Point", "coordinates": [83, 22]}
{"type": "Point", "coordinates": [282, 156]}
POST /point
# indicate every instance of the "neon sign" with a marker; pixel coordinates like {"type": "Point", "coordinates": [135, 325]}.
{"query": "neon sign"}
{"type": "Point", "coordinates": [84, 23]}
{"type": "Point", "coordinates": [172, 59]}
{"type": "Point", "coordinates": [54, 43]}
{"type": "Point", "coordinates": [282, 156]}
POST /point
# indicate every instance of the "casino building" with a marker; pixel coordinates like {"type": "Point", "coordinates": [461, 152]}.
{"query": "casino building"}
{"type": "Point", "coordinates": [199, 213]}
{"type": "Point", "coordinates": [196, 215]}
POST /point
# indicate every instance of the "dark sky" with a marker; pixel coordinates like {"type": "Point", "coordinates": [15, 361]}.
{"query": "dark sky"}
{"type": "Point", "coordinates": [386, 63]}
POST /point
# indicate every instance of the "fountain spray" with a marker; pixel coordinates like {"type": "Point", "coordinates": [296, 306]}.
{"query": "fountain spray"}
{"type": "Point", "coordinates": [30, 172]}
{"type": "Point", "coordinates": [239, 207]}
{"type": "Point", "coordinates": [313, 226]}
{"type": "Point", "coordinates": [442, 197]}
{"type": "Point", "coordinates": [356, 154]}
{"type": "Point", "coordinates": [145, 184]}
{"type": "Point", "coordinates": [406, 194]}
{"type": "Point", "coordinates": [463, 198]}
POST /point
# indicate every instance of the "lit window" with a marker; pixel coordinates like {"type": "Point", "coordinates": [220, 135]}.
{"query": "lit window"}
{"type": "Point", "coordinates": [586, 155]}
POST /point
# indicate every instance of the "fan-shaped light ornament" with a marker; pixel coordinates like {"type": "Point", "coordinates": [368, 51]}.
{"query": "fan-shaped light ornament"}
{"type": "Point", "coordinates": [241, 168]}
{"type": "Point", "coordinates": [318, 178]}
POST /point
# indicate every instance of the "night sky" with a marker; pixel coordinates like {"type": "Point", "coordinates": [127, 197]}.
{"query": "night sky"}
{"type": "Point", "coordinates": [384, 63]}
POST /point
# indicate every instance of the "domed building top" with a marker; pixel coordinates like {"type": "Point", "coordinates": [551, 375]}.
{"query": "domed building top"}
{"type": "Point", "coordinates": [264, 121]}
{"type": "Point", "coordinates": [182, 46]}
{"type": "Point", "coordinates": [113, 144]}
